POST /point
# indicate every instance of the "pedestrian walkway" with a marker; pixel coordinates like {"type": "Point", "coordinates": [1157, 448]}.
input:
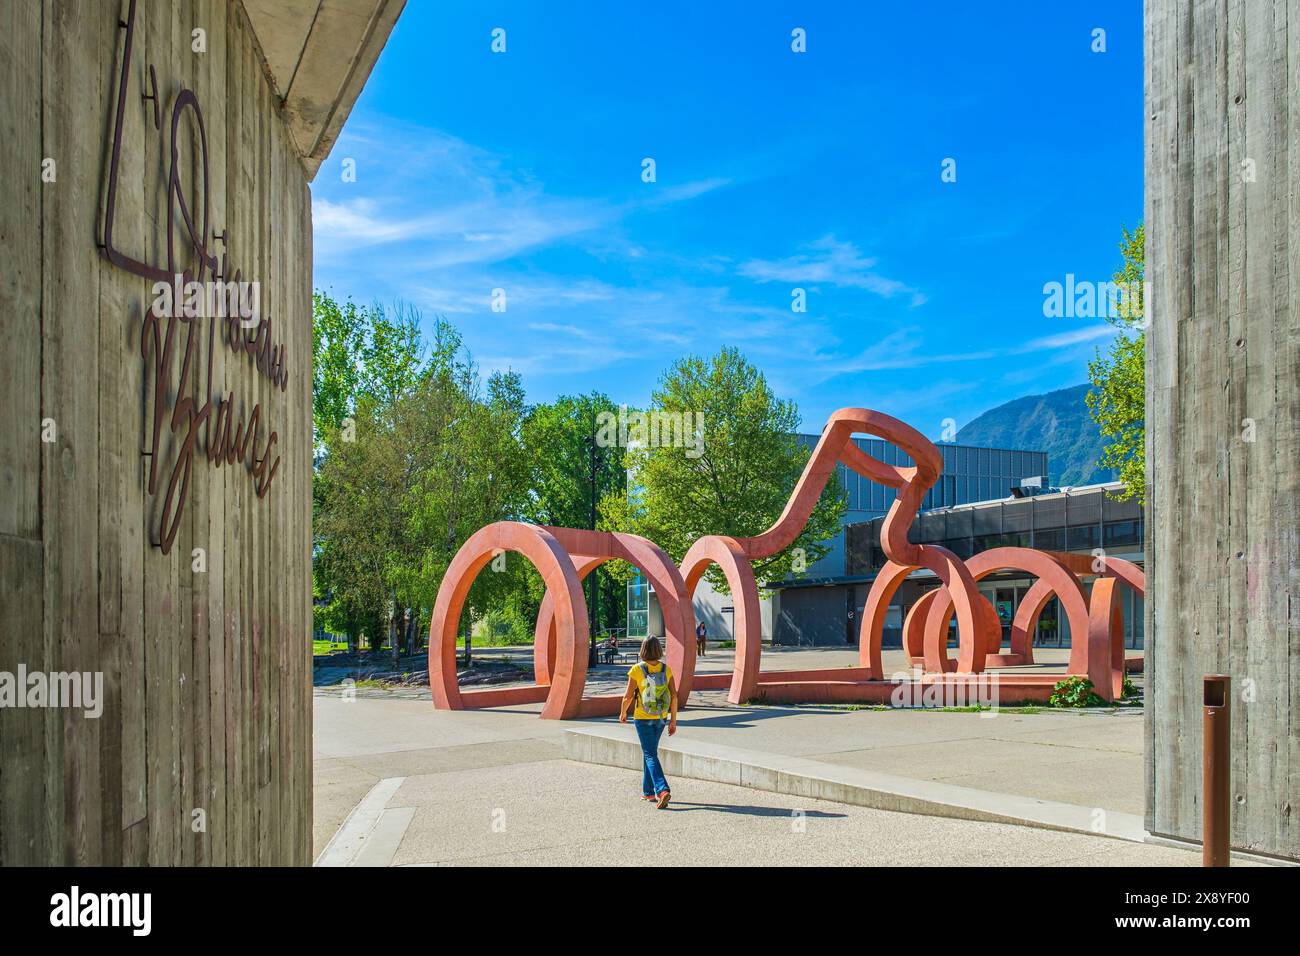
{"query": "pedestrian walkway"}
{"type": "Point", "coordinates": [496, 787]}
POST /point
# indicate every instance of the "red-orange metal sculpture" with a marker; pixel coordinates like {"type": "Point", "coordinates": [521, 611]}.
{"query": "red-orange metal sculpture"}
{"type": "Point", "coordinates": [564, 556]}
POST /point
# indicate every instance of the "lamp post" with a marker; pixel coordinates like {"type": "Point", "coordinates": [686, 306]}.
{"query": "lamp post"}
{"type": "Point", "coordinates": [593, 599]}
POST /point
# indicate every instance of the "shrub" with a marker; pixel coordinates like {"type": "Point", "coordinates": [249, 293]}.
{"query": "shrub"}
{"type": "Point", "coordinates": [1075, 692]}
{"type": "Point", "coordinates": [503, 627]}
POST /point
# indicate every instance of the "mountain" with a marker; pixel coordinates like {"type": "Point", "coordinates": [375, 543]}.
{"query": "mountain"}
{"type": "Point", "coordinates": [1057, 423]}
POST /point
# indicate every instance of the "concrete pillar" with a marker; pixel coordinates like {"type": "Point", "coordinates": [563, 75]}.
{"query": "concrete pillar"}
{"type": "Point", "coordinates": [1223, 408]}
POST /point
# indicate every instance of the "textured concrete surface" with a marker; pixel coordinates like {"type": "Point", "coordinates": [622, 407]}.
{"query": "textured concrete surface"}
{"type": "Point", "coordinates": [462, 767]}
{"type": "Point", "coordinates": [804, 777]}
{"type": "Point", "coordinates": [557, 812]}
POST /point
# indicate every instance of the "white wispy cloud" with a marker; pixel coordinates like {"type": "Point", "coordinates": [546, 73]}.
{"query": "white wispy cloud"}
{"type": "Point", "coordinates": [906, 348]}
{"type": "Point", "coordinates": [483, 231]}
{"type": "Point", "coordinates": [452, 204]}
{"type": "Point", "coordinates": [833, 262]}
{"type": "Point", "coordinates": [662, 195]}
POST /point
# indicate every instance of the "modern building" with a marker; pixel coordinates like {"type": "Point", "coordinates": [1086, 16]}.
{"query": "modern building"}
{"type": "Point", "coordinates": [969, 474]}
{"type": "Point", "coordinates": [1087, 520]}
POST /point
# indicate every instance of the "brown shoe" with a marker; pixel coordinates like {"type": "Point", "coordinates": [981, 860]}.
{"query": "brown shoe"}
{"type": "Point", "coordinates": [663, 800]}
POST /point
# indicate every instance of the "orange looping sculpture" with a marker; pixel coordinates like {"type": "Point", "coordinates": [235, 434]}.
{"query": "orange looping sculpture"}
{"type": "Point", "coordinates": [564, 556]}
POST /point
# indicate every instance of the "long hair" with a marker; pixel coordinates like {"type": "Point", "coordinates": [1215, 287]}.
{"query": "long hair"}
{"type": "Point", "coordinates": [651, 649]}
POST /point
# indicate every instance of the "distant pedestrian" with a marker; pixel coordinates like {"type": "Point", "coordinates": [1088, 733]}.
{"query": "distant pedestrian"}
{"type": "Point", "coordinates": [701, 636]}
{"type": "Point", "coordinates": [651, 685]}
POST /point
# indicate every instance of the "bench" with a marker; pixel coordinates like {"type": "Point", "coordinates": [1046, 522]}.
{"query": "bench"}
{"type": "Point", "coordinates": [626, 653]}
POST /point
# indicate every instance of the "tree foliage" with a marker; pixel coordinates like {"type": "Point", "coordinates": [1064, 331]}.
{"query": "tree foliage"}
{"type": "Point", "coordinates": [1117, 400]}
{"type": "Point", "coordinates": [736, 481]}
{"type": "Point", "coordinates": [338, 338]}
{"type": "Point", "coordinates": [416, 451]}
{"type": "Point", "coordinates": [569, 469]}
{"type": "Point", "coordinates": [432, 455]}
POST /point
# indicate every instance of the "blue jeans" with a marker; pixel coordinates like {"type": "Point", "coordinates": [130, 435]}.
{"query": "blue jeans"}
{"type": "Point", "coordinates": [653, 781]}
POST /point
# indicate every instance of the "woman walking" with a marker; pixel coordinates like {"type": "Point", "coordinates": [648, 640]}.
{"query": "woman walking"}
{"type": "Point", "coordinates": [650, 684]}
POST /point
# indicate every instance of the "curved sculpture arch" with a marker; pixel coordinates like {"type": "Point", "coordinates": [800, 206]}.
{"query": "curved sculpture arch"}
{"type": "Point", "coordinates": [1055, 578]}
{"type": "Point", "coordinates": [731, 557]}
{"type": "Point", "coordinates": [564, 556]}
{"type": "Point", "coordinates": [588, 550]}
{"type": "Point", "coordinates": [563, 695]}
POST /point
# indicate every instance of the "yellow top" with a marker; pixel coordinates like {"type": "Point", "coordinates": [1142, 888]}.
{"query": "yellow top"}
{"type": "Point", "coordinates": [638, 674]}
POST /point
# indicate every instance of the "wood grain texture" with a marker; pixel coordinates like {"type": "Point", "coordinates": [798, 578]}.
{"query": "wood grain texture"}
{"type": "Point", "coordinates": [206, 674]}
{"type": "Point", "coordinates": [1223, 407]}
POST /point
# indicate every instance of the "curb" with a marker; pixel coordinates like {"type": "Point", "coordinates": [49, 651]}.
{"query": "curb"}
{"type": "Point", "coordinates": [814, 779]}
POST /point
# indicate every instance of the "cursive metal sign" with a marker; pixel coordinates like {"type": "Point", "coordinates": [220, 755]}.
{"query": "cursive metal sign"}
{"type": "Point", "coordinates": [210, 426]}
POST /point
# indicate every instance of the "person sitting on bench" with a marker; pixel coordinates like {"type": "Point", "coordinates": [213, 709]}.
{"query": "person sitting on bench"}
{"type": "Point", "coordinates": [611, 649]}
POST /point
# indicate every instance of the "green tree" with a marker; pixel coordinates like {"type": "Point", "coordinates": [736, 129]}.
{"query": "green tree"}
{"type": "Point", "coordinates": [434, 455]}
{"type": "Point", "coordinates": [1117, 399]}
{"type": "Point", "coordinates": [338, 339]}
{"type": "Point", "coordinates": [355, 529]}
{"type": "Point", "coordinates": [735, 479]}
{"type": "Point", "coordinates": [465, 469]}
{"type": "Point", "coordinates": [393, 358]}
{"type": "Point", "coordinates": [570, 471]}
{"type": "Point", "coordinates": [363, 362]}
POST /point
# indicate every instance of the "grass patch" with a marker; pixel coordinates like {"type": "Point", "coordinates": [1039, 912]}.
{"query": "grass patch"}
{"type": "Point", "coordinates": [1021, 708]}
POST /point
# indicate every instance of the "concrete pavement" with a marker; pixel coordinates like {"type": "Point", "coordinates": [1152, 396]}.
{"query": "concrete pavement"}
{"type": "Point", "coordinates": [1092, 758]}
{"type": "Point", "coordinates": [494, 787]}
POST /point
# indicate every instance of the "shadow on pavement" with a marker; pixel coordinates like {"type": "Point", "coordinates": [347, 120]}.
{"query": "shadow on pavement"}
{"type": "Point", "coordinates": [745, 716]}
{"type": "Point", "coordinates": [686, 807]}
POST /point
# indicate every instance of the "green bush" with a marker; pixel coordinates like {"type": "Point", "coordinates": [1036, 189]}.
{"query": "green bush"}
{"type": "Point", "coordinates": [1075, 692]}
{"type": "Point", "coordinates": [503, 627]}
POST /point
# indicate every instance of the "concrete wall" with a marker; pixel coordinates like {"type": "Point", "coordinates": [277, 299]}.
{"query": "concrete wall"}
{"type": "Point", "coordinates": [206, 672]}
{"type": "Point", "coordinates": [1223, 408]}
{"type": "Point", "coordinates": [710, 608]}
{"type": "Point", "coordinates": [812, 617]}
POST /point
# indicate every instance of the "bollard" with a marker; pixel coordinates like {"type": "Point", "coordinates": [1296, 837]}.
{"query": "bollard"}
{"type": "Point", "coordinates": [1216, 776]}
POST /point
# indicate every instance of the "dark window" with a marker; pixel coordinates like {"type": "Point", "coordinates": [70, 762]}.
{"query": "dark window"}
{"type": "Point", "coordinates": [1118, 533]}
{"type": "Point", "coordinates": [1084, 538]}
{"type": "Point", "coordinates": [961, 547]}
{"type": "Point", "coordinates": [1049, 539]}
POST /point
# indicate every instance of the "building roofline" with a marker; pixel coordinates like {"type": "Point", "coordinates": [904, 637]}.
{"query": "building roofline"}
{"type": "Point", "coordinates": [941, 444]}
{"type": "Point", "coordinates": [1066, 492]}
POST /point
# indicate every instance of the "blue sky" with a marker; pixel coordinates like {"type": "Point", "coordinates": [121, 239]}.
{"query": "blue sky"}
{"type": "Point", "coordinates": [822, 170]}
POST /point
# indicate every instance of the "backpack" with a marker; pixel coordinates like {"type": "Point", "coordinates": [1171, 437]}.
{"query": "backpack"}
{"type": "Point", "coordinates": [654, 691]}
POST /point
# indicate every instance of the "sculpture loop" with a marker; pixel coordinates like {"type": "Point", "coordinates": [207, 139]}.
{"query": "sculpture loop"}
{"type": "Point", "coordinates": [565, 556]}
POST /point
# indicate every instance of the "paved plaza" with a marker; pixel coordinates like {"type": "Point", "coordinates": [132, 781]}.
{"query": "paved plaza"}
{"type": "Point", "coordinates": [400, 783]}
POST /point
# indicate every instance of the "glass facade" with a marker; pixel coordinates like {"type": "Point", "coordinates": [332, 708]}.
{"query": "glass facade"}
{"type": "Point", "coordinates": [1080, 522]}
{"type": "Point", "coordinates": [969, 474]}
{"type": "Point", "coordinates": [638, 606]}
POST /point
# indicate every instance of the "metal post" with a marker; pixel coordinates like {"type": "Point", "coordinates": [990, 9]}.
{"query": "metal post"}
{"type": "Point", "coordinates": [594, 590]}
{"type": "Point", "coordinates": [1216, 790]}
